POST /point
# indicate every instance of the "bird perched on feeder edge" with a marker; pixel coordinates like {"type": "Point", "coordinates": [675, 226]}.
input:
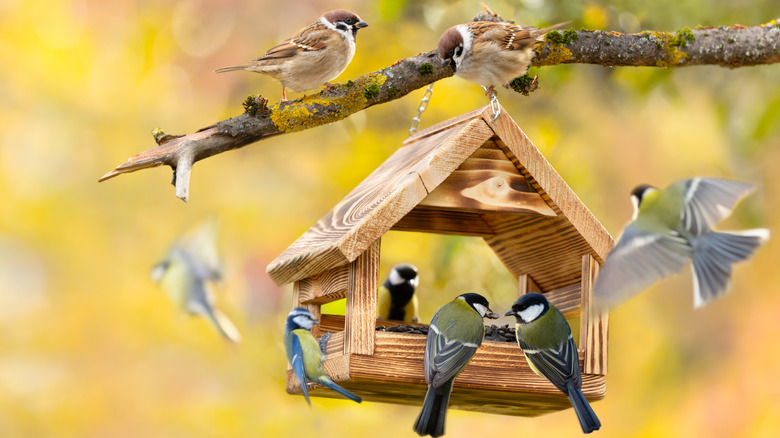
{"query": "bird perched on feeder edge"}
{"type": "Point", "coordinates": [490, 53]}
{"type": "Point", "coordinates": [187, 276]}
{"type": "Point", "coordinates": [313, 56]}
{"type": "Point", "coordinates": [397, 300]}
{"type": "Point", "coordinates": [454, 335]}
{"type": "Point", "coordinates": [671, 227]}
{"type": "Point", "coordinates": [547, 343]}
{"type": "Point", "coordinates": [305, 356]}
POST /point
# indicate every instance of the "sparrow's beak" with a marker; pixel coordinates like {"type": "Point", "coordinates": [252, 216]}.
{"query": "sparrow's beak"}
{"type": "Point", "coordinates": [510, 313]}
{"type": "Point", "coordinates": [361, 24]}
{"type": "Point", "coordinates": [491, 315]}
{"type": "Point", "coordinates": [449, 62]}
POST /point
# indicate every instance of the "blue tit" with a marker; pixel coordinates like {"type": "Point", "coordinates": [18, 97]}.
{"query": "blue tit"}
{"type": "Point", "coordinates": [454, 335]}
{"type": "Point", "coordinates": [305, 356]}
{"type": "Point", "coordinates": [397, 300]}
{"type": "Point", "coordinates": [187, 275]}
{"type": "Point", "coordinates": [671, 227]}
{"type": "Point", "coordinates": [545, 338]}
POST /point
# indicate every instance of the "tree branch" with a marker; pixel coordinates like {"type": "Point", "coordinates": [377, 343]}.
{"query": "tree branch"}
{"type": "Point", "coordinates": [734, 46]}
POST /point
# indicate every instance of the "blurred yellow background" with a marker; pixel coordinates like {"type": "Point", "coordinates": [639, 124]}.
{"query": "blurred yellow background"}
{"type": "Point", "coordinates": [89, 345]}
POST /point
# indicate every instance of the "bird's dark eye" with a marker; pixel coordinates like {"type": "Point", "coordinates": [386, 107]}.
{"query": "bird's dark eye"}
{"type": "Point", "coordinates": [349, 20]}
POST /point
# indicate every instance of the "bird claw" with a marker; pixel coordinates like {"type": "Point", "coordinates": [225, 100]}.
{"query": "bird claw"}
{"type": "Point", "coordinates": [324, 342]}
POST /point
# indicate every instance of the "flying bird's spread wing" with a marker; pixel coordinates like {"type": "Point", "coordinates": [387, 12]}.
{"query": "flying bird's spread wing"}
{"type": "Point", "coordinates": [638, 260]}
{"type": "Point", "coordinates": [710, 200]}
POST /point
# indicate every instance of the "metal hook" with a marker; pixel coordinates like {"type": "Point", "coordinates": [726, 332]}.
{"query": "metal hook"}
{"type": "Point", "coordinates": [423, 105]}
{"type": "Point", "coordinates": [494, 105]}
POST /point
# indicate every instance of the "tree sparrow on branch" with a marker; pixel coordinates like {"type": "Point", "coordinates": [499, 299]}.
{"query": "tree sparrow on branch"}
{"type": "Point", "coordinates": [313, 56]}
{"type": "Point", "coordinates": [490, 53]}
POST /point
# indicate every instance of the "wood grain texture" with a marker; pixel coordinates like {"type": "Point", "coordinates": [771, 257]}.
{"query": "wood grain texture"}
{"type": "Point", "coordinates": [324, 288]}
{"type": "Point", "coordinates": [526, 284]}
{"type": "Point", "coordinates": [441, 221]}
{"type": "Point", "coordinates": [298, 294]}
{"type": "Point", "coordinates": [394, 374]}
{"type": "Point", "coordinates": [362, 287]}
{"type": "Point", "coordinates": [379, 202]}
{"type": "Point", "coordinates": [545, 179]}
{"type": "Point", "coordinates": [487, 181]}
{"type": "Point", "coordinates": [594, 327]}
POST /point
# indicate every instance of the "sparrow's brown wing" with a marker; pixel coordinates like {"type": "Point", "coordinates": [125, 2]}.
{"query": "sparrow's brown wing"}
{"type": "Point", "coordinates": [506, 35]}
{"type": "Point", "coordinates": [308, 39]}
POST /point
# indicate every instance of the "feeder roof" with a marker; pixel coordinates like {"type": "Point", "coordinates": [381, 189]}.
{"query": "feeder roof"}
{"type": "Point", "coordinates": [471, 176]}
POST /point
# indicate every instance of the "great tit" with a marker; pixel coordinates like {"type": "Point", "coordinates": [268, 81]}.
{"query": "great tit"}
{"type": "Point", "coordinates": [397, 300]}
{"type": "Point", "coordinates": [671, 227]}
{"type": "Point", "coordinates": [187, 275]}
{"type": "Point", "coordinates": [545, 338]}
{"type": "Point", "coordinates": [305, 356]}
{"type": "Point", "coordinates": [454, 335]}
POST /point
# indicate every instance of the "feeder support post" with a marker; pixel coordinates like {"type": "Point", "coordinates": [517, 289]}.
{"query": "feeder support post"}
{"type": "Point", "coordinates": [360, 317]}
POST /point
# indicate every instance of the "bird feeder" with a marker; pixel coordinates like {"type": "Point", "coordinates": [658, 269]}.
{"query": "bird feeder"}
{"type": "Point", "coordinates": [472, 176]}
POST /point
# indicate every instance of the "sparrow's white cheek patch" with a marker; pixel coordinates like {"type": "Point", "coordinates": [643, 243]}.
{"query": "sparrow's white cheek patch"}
{"type": "Point", "coordinates": [532, 312]}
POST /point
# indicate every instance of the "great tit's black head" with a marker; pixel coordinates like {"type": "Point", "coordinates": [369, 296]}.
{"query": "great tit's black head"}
{"type": "Point", "coordinates": [451, 47]}
{"type": "Point", "coordinates": [479, 304]}
{"type": "Point", "coordinates": [403, 273]}
{"type": "Point", "coordinates": [300, 318]}
{"type": "Point", "coordinates": [345, 21]}
{"type": "Point", "coordinates": [529, 307]}
{"type": "Point", "coordinates": [638, 194]}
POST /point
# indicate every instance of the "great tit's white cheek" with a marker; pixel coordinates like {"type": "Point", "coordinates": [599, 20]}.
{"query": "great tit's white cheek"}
{"type": "Point", "coordinates": [481, 309]}
{"type": "Point", "coordinates": [635, 203]}
{"type": "Point", "coordinates": [532, 312]}
{"type": "Point", "coordinates": [395, 278]}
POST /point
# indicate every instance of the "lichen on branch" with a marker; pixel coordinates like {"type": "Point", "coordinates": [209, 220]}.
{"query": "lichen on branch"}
{"type": "Point", "coordinates": [734, 46]}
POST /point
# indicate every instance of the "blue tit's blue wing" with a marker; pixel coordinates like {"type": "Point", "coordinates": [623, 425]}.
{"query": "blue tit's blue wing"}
{"type": "Point", "coordinates": [710, 200]}
{"type": "Point", "coordinates": [558, 365]}
{"type": "Point", "coordinates": [638, 260]}
{"type": "Point", "coordinates": [296, 361]}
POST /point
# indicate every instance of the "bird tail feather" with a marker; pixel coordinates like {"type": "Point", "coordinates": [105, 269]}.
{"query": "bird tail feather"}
{"type": "Point", "coordinates": [588, 419]}
{"type": "Point", "coordinates": [539, 33]}
{"type": "Point", "coordinates": [433, 414]}
{"type": "Point", "coordinates": [332, 385]}
{"type": "Point", "coordinates": [232, 68]}
{"type": "Point", "coordinates": [225, 326]}
{"type": "Point", "coordinates": [713, 255]}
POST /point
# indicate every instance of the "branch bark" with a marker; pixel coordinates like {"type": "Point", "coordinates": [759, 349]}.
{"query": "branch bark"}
{"type": "Point", "coordinates": [735, 46]}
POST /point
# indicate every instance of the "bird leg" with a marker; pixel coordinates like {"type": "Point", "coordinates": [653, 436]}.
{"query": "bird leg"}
{"type": "Point", "coordinates": [324, 342]}
{"type": "Point", "coordinates": [489, 90]}
{"type": "Point", "coordinates": [284, 95]}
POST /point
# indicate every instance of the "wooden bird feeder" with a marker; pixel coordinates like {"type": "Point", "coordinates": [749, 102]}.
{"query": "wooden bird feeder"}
{"type": "Point", "coordinates": [467, 176]}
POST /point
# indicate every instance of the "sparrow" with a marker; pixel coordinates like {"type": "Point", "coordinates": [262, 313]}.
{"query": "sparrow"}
{"type": "Point", "coordinates": [545, 337]}
{"type": "Point", "coordinates": [397, 300]}
{"type": "Point", "coordinates": [455, 333]}
{"type": "Point", "coordinates": [671, 227]}
{"type": "Point", "coordinates": [188, 273]}
{"type": "Point", "coordinates": [490, 53]}
{"type": "Point", "coordinates": [305, 356]}
{"type": "Point", "coordinates": [313, 56]}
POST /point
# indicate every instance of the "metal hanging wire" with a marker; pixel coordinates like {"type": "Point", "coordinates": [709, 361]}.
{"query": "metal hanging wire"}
{"type": "Point", "coordinates": [494, 105]}
{"type": "Point", "coordinates": [423, 105]}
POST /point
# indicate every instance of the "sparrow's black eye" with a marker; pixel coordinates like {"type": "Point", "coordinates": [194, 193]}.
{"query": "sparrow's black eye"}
{"type": "Point", "coordinates": [349, 20]}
